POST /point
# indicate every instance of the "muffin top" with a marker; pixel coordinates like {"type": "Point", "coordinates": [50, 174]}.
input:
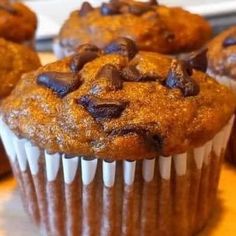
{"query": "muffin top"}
{"type": "Point", "coordinates": [154, 27]}
{"type": "Point", "coordinates": [121, 104]}
{"type": "Point", "coordinates": [15, 60]}
{"type": "Point", "coordinates": [17, 22]}
{"type": "Point", "coordinates": [222, 54]}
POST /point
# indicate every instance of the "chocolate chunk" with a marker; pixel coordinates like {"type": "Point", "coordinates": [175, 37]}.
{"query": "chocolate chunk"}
{"type": "Point", "coordinates": [178, 77]}
{"type": "Point", "coordinates": [85, 9]}
{"type": "Point", "coordinates": [6, 6]}
{"type": "Point", "coordinates": [61, 83]}
{"type": "Point", "coordinates": [154, 140]}
{"type": "Point", "coordinates": [88, 48]}
{"type": "Point", "coordinates": [102, 108]}
{"type": "Point", "coordinates": [107, 9]}
{"type": "Point", "coordinates": [198, 60]}
{"type": "Point", "coordinates": [79, 60]}
{"type": "Point", "coordinates": [169, 36]}
{"type": "Point", "coordinates": [111, 73]}
{"type": "Point", "coordinates": [123, 46]}
{"type": "Point", "coordinates": [153, 2]}
{"type": "Point", "coordinates": [131, 73]}
{"type": "Point", "coordinates": [230, 41]}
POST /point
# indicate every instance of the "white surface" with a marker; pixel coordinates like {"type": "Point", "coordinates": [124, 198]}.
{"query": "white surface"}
{"type": "Point", "coordinates": [52, 13]}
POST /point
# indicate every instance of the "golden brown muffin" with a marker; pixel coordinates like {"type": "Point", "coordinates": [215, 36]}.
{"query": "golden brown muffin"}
{"type": "Point", "coordinates": [17, 22]}
{"type": "Point", "coordinates": [117, 143]}
{"type": "Point", "coordinates": [154, 27]}
{"type": "Point", "coordinates": [222, 66]}
{"type": "Point", "coordinates": [15, 60]}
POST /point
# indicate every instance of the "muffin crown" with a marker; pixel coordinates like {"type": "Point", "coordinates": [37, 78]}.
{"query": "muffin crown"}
{"type": "Point", "coordinates": [222, 54]}
{"type": "Point", "coordinates": [15, 60]}
{"type": "Point", "coordinates": [117, 104]}
{"type": "Point", "coordinates": [154, 27]}
{"type": "Point", "coordinates": [17, 22]}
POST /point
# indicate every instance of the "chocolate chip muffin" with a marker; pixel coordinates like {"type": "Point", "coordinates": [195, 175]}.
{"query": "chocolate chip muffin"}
{"type": "Point", "coordinates": [154, 27]}
{"type": "Point", "coordinates": [222, 66]}
{"type": "Point", "coordinates": [15, 60]}
{"type": "Point", "coordinates": [17, 22]}
{"type": "Point", "coordinates": [118, 142]}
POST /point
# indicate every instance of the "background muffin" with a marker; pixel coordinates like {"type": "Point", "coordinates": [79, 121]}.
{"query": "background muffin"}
{"type": "Point", "coordinates": [15, 60]}
{"type": "Point", "coordinates": [222, 66]}
{"type": "Point", "coordinates": [119, 143]}
{"type": "Point", "coordinates": [17, 22]}
{"type": "Point", "coordinates": [154, 27]}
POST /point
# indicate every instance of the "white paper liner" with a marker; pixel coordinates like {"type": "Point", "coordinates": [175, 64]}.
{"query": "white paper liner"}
{"type": "Point", "coordinates": [28, 153]}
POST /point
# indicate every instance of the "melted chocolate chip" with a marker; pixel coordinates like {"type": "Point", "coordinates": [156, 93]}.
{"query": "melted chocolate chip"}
{"type": "Point", "coordinates": [6, 6]}
{"type": "Point", "coordinates": [154, 140]}
{"type": "Point", "coordinates": [61, 83]}
{"type": "Point", "coordinates": [178, 77]}
{"type": "Point", "coordinates": [107, 9]}
{"type": "Point", "coordinates": [85, 9]}
{"type": "Point", "coordinates": [131, 73]}
{"type": "Point", "coordinates": [111, 73]}
{"type": "Point", "coordinates": [198, 60]}
{"type": "Point", "coordinates": [88, 48]}
{"type": "Point", "coordinates": [230, 41]}
{"type": "Point", "coordinates": [79, 60]}
{"type": "Point", "coordinates": [102, 108]}
{"type": "Point", "coordinates": [123, 46]}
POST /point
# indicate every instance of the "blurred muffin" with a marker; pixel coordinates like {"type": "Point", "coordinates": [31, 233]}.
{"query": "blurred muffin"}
{"type": "Point", "coordinates": [15, 60]}
{"type": "Point", "coordinates": [154, 27]}
{"type": "Point", "coordinates": [120, 143]}
{"type": "Point", "coordinates": [17, 22]}
{"type": "Point", "coordinates": [222, 66]}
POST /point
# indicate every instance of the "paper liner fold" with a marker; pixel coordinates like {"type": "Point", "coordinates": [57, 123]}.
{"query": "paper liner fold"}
{"type": "Point", "coordinates": [79, 196]}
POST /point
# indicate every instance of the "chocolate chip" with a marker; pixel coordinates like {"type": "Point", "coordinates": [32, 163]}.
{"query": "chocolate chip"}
{"type": "Point", "coordinates": [61, 83]}
{"type": "Point", "coordinates": [154, 140]}
{"type": "Point", "coordinates": [230, 41]}
{"type": "Point", "coordinates": [111, 73]}
{"type": "Point", "coordinates": [168, 36]}
{"type": "Point", "coordinates": [107, 9]}
{"type": "Point", "coordinates": [178, 77]}
{"type": "Point", "coordinates": [102, 108]}
{"type": "Point", "coordinates": [198, 60]}
{"type": "Point", "coordinates": [131, 73]}
{"type": "Point", "coordinates": [123, 46]}
{"type": "Point", "coordinates": [85, 9]}
{"type": "Point", "coordinates": [153, 2]}
{"type": "Point", "coordinates": [79, 60]}
{"type": "Point", "coordinates": [88, 48]}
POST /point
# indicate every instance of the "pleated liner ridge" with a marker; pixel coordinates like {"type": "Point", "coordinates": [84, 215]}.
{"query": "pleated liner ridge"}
{"type": "Point", "coordinates": [75, 196]}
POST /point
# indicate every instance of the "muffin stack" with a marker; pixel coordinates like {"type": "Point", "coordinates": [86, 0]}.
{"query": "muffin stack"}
{"type": "Point", "coordinates": [118, 139]}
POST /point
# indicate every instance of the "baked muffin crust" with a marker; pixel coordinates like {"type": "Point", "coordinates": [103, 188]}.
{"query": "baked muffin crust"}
{"type": "Point", "coordinates": [222, 54]}
{"type": "Point", "coordinates": [154, 27]}
{"type": "Point", "coordinates": [17, 22]}
{"type": "Point", "coordinates": [104, 111]}
{"type": "Point", "coordinates": [15, 60]}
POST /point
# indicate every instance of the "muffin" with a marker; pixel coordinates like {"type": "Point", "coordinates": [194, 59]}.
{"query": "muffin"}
{"type": "Point", "coordinates": [222, 66]}
{"type": "Point", "coordinates": [17, 22]}
{"type": "Point", "coordinates": [15, 60]}
{"type": "Point", "coordinates": [157, 28]}
{"type": "Point", "coordinates": [120, 143]}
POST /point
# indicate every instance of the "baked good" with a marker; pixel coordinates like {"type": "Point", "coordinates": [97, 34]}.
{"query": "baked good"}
{"type": "Point", "coordinates": [222, 66]}
{"type": "Point", "coordinates": [121, 143]}
{"type": "Point", "coordinates": [17, 22]}
{"type": "Point", "coordinates": [15, 60]}
{"type": "Point", "coordinates": [154, 27]}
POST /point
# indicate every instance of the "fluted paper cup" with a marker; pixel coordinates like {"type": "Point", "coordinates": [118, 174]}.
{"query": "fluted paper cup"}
{"type": "Point", "coordinates": [230, 154]}
{"type": "Point", "coordinates": [79, 196]}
